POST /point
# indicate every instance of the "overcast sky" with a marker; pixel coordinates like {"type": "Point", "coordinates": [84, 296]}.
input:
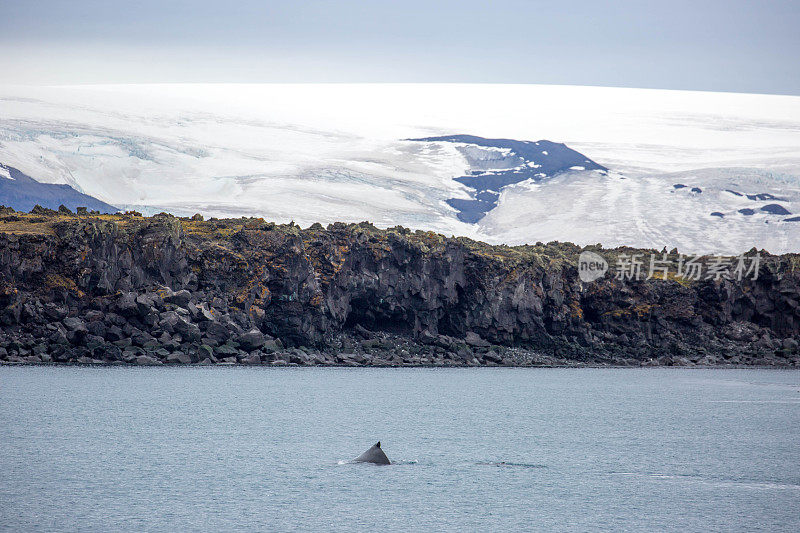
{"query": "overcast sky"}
{"type": "Point", "coordinates": [722, 45]}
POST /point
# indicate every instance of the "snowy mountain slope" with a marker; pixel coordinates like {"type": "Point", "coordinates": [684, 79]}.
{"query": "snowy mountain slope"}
{"type": "Point", "coordinates": [23, 193]}
{"type": "Point", "coordinates": [187, 161]}
{"type": "Point", "coordinates": [703, 211]}
{"type": "Point", "coordinates": [496, 163]}
{"type": "Point", "coordinates": [337, 152]}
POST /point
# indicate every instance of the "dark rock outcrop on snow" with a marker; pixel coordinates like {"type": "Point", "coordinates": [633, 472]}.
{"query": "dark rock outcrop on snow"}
{"type": "Point", "coordinates": [163, 290]}
{"type": "Point", "coordinates": [22, 192]}
{"type": "Point", "coordinates": [497, 163]}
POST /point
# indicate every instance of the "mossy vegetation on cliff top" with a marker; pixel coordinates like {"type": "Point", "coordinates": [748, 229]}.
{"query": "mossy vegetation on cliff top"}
{"type": "Point", "coordinates": [126, 287]}
{"type": "Point", "coordinates": [550, 256]}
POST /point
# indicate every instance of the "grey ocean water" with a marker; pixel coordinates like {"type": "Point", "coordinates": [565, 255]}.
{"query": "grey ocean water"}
{"type": "Point", "coordinates": [246, 449]}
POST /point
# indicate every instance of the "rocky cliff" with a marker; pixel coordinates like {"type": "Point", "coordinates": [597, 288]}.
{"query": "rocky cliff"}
{"type": "Point", "coordinates": [130, 289]}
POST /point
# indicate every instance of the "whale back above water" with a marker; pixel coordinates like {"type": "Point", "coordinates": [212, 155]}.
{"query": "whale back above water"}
{"type": "Point", "coordinates": [374, 455]}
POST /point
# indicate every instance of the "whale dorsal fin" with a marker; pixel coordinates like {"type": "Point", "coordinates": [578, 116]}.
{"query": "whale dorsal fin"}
{"type": "Point", "coordinates": [373, 455]}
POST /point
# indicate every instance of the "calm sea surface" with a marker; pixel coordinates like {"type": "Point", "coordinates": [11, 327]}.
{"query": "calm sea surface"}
{"type": "Point", "coordinates": [244, 449]}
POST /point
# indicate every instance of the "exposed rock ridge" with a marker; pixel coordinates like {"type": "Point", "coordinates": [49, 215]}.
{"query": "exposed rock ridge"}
{"type": "Point", "coordinates": [123, 288]}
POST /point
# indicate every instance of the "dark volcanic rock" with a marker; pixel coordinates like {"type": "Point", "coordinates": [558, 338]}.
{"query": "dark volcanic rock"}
{"type": "Point", "coordinates": [775, 209]}
{"type": "Point", "coordinates": [164, 290]}
{"type": "Point", "coordinates": [252, 340]}
{"type": "Point", "coordinates": [179, 357]}
{"type": "Point", "coordinates": [75, 324]}
{"type": "Point", "coordinates": [180, 298]}
{"type": "Point", "coordinates": [473, 339]}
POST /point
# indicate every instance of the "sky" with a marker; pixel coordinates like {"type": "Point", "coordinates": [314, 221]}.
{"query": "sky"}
{"type": "Point", "coordinates": [716, 45]}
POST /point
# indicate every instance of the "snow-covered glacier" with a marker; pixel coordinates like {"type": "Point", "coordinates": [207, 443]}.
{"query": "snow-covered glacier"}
{"type": "Point", "coordinates": [699, 171]}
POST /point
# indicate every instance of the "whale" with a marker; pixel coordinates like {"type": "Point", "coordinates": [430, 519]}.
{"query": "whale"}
{"type": "Point", "coordinates": [374, 455]}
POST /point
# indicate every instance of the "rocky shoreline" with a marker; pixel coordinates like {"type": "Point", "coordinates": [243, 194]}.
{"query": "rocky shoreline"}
{"type": "Point", "coordinates": [127, 289]}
